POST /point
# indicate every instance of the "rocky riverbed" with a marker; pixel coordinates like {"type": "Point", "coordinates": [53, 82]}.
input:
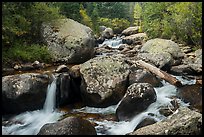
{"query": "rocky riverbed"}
{"type": "Point", "coordinates": [100, 92]}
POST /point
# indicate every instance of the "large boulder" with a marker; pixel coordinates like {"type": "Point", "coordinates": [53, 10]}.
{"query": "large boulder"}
{"type": "Point", "coordinates": [192, 94]}
{"type": "Point", "coordinates": [162, 52]}
{"type": "Point", "coordinates": [23, 92]}
{"type": "Point", "coordinates": [68, 126]}
{"type": "Point", "coordinates": [163, 60]}
{"type": "Point", "coordinates": [68, 41]}
{"type": "Point", "coordinates": [135, 39]}
{"type": "Point", "coordinates": [183, 122]}
{"type": "Point", "coordinates": [130, 31]}
{"type": "Point", "coordinates": [104, 80]}
{"type": "Point", "coordinates": [157, 46]}
{"type": "Point", "coordinates": [137, 98]}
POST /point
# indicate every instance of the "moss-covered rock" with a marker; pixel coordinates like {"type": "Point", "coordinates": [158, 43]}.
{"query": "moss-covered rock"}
{"type": "Point", "coordinates": [68, 41]}
{"type": "Point", "coordinates": [23, 92]}
{"type": "Point", "coordinates": [69, 126]}
{"type": "Point", "coordinates": [157, 46]}
{"type": "Point", "coordinates": [104, 80]}
{"type": "Point", "coordinates": [183, 122]}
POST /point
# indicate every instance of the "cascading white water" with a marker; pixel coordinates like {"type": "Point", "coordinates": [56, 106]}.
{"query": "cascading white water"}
{"type": "Point", "coordinates": [49, 105]}
{"type": "Point", "coordinates": [30, 123]}
{"type": "Point", "coordinates": [113, 43]}
{"type": "Point", "coordinates": [164, 95]}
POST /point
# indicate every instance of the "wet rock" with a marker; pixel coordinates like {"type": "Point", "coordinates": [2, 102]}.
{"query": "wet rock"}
{"type": "Point", "coordinates": [63, 90]}
{"type": "Point", "coordinates": [75, 71]}
{"type": "Point", "coordinates": [37, 65]}
{"type": "Point", "coordinates": [17, 67]}
{"type": "Point", "coordinates": [157, 46]}
{"type": "Point", "coordinates": [193, 95]}
{"type": "Point", "coordinates": [130, 31]}
{"type": "Point", "coordinates": [102, 28]}
{"type": "Point", "coordinates": [68, 41]}
{"type": "Point", "coordinates": [107, 33]}
{"type": "Point", "coordinates": [161, 52]}
{"type": "Point", "coordinates": [161, 60]}
{"type": "Point", "coordinates": [135, 39]}
{"type": "Point", "coordinates": [104, 80]}
{"type": "Point", "coordinates": [137, 98]}
{"type": "Point", "coordinates": [182, 69]}
{"type": "Point", "coordinates": [183, 122]}
{"type": "Point", "coordinates": [192, 61]}
{"type": "Point", "coordinates": [122, 46]}
{"type": "Point", "coordinates": [68, 126]}
{"type": "Point", "coordinates": [145, 122]}
{"type": "Point", "coordinates": [176, 70]}
{"type": "Point", "coordinates": [62, 68]}
{"type": "Point", "coordinates": [186, 49]}
{"type": "Point", "coordinates": [23, 92]}
{"type": "Point", "coordinates": [142, 76]}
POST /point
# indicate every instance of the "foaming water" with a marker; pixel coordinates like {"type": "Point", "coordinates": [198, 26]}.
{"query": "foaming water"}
{"type": "Point", "coordinates": [164, 95]}
{"type": "Point", "coordinates": [113, 43]}
{"type": "Point", "coordinates": [49, 104]}
{"type": "Point", "coordinates": [30, 123]}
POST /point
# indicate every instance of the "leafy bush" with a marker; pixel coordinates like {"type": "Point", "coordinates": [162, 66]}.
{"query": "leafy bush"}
{"type": "Point", "coordinates": [86, 20]}
{"type": "Point", "coordinates": [19, 53]}
{"type": "Point", "coordinates": [118, 25]}
{"type": "Point", "coordinates": [181, 20]}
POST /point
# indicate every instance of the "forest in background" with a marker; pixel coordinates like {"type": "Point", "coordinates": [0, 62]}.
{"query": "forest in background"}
{"type": "Point", "coordinates": [21, 22]}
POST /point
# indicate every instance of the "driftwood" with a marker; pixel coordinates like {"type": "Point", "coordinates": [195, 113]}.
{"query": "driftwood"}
{"type": "Point", "coordinates": [163, 75]}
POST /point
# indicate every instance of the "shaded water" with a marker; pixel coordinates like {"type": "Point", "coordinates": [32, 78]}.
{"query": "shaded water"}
{"type": "Point", "coordinates": [30, 123]}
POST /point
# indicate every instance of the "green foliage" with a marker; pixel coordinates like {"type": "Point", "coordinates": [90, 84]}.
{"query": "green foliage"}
{"type": "Point", "coordinates": [70, 10]}
{"type": "Point", "coordinates": [181, 20]}
{"type": "Point", "coordinates": [21, 25]}
{"type": "Point", "coordinates": [188, 19]}
{"type": "Point", "coordinates": [113, 10]}
{"type": "Point", "coordinates": [137, 14]}
{"type": "Point", "coordinates": [95, 18]}
{"type": "Point", "coordinates": [86, 20]}
{"type": "Point", "coordinates": [22, 20]}
{"type": "Point", "coordinates": [25, 53]}
{"type": "Point", "coordinates": [118, 25]}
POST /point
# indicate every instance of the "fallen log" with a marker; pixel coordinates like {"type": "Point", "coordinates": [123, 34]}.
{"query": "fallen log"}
{"type": "Point", "coordinates": [163, 75]}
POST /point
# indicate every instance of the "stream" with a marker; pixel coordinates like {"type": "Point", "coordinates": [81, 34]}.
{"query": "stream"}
{"type": "Point", "coordinates": [30, 122]}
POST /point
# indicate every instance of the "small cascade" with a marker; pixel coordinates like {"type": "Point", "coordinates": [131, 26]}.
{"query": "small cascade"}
{"type": "Point", "coordinates": [30, 123]}
{"type": "Point", "coordinates": [112, 43]}
{"type": "Point", "coordinates": [50, 101]}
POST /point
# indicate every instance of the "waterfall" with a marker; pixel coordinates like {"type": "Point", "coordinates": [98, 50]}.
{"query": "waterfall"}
{"type": "Point", "coordinates": [30, 123]}
{"type": "Point", "coordinates": [50, 101]}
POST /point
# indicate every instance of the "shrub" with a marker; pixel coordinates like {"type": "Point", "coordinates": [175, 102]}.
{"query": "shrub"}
{"type": "Point", "coordinates": [25, 53]}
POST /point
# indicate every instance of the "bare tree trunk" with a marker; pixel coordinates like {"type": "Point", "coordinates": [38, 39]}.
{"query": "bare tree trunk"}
{"type": "Point", "coordinates": [163, 75]}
